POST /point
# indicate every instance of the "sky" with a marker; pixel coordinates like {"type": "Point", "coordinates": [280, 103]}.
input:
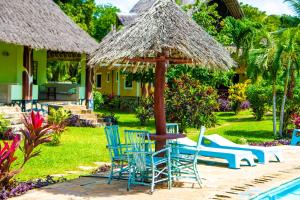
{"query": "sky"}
{"type": "Point", "coordinates": [270, 6]}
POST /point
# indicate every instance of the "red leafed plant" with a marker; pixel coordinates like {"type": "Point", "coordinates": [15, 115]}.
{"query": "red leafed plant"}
{"type": "Point", "coordinates": [7, 157]}
{"type": "Point", "coordinates": [35, 134]}
{"type": "Point", "coordinates": [296, 120]}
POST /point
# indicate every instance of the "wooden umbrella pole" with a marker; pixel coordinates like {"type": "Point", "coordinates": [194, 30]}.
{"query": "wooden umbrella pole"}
{"type": "Point", "coordinates": [159, 102]}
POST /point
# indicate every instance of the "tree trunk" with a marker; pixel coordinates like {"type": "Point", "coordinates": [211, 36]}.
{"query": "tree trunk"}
{"type": "Point", "coordinates": [159, 102]}
{"type": "Point", "coordinates": [284, 98]}
{"type": "Point", "coordinates": [274, 109]}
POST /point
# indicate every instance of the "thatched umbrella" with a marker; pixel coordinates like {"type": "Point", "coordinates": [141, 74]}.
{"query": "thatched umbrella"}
{"type": "Point", "coordinates": [164, 35]}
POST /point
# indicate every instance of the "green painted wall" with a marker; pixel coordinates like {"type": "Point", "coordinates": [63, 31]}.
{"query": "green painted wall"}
{"type": "Point", "coordinates": [11, 63]}
{"type": "Point", "coordinates": [41, 57]}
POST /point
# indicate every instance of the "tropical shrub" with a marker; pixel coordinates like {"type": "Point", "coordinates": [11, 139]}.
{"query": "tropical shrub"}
{"type": "Point", "coordinates": [237, 95]}
{"type": "Point", "coordinates": [145, 110]}
{"type": "Point", "coordinates": [260, 98]}
{"type": "Point", "coordinates": [98, 99]}
{"type": "Point", "coordinates": [224, 105]}
{"type": "Point", "coordinates": [58, 119]}
{"type": "Point", "coordinates": [190, 103]}
{"type": "Point", "coordinates": [7, 157]}
{"type": "Point", "coordinates": [296, 120]}
{"type": "Point", "coordinates": [34, 134]}
{"type": "Point", "coordinates": [4, 124]}
{"type": "Point", "coordinates": [19, 188]}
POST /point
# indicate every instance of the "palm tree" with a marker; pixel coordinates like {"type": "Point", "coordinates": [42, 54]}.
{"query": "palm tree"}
{"type": "Point", "coordinates": [295, 4]}
{"type": "Point", "coordinates": [290, 60]}
{"type": "Point", "coordinates": [265, 61]}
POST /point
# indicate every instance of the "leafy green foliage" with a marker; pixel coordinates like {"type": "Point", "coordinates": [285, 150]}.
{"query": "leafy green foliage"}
{"type": "Point", "coordinates": [145, 110]}
{"type": "Point", "coordinates": [58, 119]}
{"type": "Point", "coordinates": [207, 16]}
{"type": "Point", "coordinates": [4, 124]}
{"type": "Point", "coordinates": [64, 71]}
{"type": "Point", "coordinates": [104, 17]}
{"type": "Point", "coordinates": [98, 99]}
{"type": "Point", "coordinates": [190, 103]}
{"type": "Point", "coordinates": [207, 77]}
{"type": "Point", "coordinates": [259, 96]}
{"type": "Point", "coordinates": [94, 19]}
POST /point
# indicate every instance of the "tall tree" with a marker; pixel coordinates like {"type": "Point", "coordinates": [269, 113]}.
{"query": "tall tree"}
{"type": "Point", "coordinates": [295, 4]}
{"type": "Point", "coordinates": [104, 17]}
{"type": "Point", "coordinates": [290, 60]}
{"type": "Point", "coordinates": [265, 61]}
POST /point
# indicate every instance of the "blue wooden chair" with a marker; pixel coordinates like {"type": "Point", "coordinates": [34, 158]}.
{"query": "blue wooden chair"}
{"type": "Point", "coordinates": [145, 166]}
{"type": "Point", "coordinates": [117, 153]}
{"type": "Point", "coordinates": [296, 137]}
{"type": "Point", "coordinates": [172, 128]}
{"type": "Point", "coordinates": [184, 165]}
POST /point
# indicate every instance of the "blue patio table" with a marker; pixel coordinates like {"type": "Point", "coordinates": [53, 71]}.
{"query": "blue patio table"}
{"type": "Point", "coordinates": [158, 137]}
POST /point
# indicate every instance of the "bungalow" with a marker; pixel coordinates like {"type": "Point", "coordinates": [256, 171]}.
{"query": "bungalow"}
{"type": "Point", "coordinates": [113, 82]}
{"type": "Point", "coordinates": [33, 32]}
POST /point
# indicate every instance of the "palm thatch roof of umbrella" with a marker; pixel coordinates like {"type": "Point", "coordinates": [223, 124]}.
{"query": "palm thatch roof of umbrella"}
{"type": "Point", "coordinates": [164, 26]}
{"type": "Point", "coordinates": [41, 24]}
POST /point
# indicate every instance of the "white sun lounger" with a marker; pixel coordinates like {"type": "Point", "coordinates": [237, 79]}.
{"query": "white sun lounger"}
{"type": "Point", "coordinates": [263, 154]}
{"type": "Point", "coordinates": [234, 157]}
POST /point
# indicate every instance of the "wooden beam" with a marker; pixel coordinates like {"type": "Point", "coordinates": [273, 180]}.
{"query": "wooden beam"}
{"type": "Point", "coordinates": [88, 86]}
{"type": "Point", "coordinates": [27, 72]}
{"type": "Point", "coordinates": [160, 59]}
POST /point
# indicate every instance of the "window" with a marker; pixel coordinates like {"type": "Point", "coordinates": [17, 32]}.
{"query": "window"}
{"type": "Point", "coordinates": [98, 81]}
{"type": "Point", "coordinates": [108, 77]}
{"type": "Point", "coordinates": [128, 83]}
{"type": "Point", "coordinates": [117, 76]}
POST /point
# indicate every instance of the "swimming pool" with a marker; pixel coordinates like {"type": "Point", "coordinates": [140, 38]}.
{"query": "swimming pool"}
{"type": "Point", "coordinates": [287, 191]}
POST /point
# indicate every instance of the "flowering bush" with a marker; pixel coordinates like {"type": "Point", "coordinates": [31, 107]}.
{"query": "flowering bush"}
{"type": "Point", "coordinates": [237, 95]}
{"type": "Point", "coordinates": [17, 189]}
{"type": "Point", "coordinates": [296, 120]}
{"type": "Point", "coordinates": [245, 105]}
{"type": "Point", "coordinates": [190, 103]}
{"type": "Point", "coordinates": [272, 143]}
{"type": "Point", "coordinates": [224, 105]}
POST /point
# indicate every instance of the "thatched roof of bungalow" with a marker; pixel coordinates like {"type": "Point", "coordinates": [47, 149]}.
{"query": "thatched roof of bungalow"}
{"type": "Point", "coordinates": [164, 26]}
{"type": "Point", "coordinates": [41, 24]}
{"type": "Point", "coordinates": [231, 6]}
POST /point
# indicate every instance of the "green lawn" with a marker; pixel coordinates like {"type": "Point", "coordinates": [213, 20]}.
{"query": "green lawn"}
{"type": "Point", "coordinates": [84, 146]}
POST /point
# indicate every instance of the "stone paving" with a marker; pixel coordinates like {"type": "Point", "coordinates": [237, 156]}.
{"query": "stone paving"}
{"type": "Point", "coordinates": [220, 183]}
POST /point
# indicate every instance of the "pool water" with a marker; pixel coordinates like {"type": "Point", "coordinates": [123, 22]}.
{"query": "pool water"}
{"type": "Point", "coordinates": [287, 191]}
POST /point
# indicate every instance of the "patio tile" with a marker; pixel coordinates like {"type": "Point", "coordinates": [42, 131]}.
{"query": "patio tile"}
{"type": "Point", "coordinates": [219, 183]}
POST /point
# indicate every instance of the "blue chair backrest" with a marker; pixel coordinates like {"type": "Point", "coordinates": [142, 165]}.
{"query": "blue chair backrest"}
{"type": "Point", "coordinates": [201, 135]}
{"type": "Point", "coordinates": [113, 141]}
{"type": "Point", "coordinates": [296, 137]}
{"type": "Point", "coordinates": [138, 143]}
{"type": "Point", "coordinates": [172, 128]}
